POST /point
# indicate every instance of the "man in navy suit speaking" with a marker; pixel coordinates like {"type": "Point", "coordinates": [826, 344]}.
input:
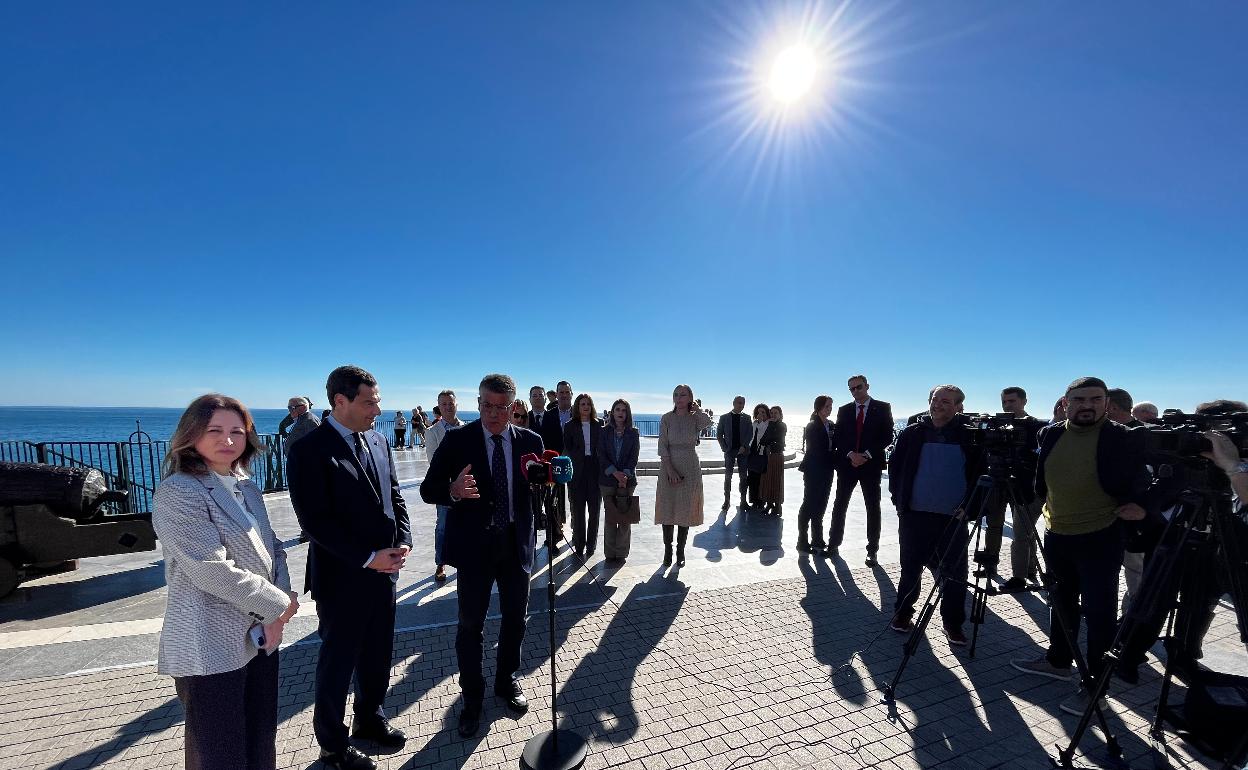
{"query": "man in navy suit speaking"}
{"type": "Point", "coordinates": [489, 539]}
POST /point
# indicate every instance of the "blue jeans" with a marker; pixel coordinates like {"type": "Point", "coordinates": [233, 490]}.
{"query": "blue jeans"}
{"type": "Point", "coordinates": [439, 533]}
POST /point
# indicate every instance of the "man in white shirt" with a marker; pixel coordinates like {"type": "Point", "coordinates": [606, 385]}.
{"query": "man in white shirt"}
{"type": "Point", "coordinates": [448, 407]}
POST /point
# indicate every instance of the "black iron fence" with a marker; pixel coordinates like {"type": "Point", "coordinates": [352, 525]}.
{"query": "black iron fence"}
{"type": "Point", "coordinates": [134, 465]}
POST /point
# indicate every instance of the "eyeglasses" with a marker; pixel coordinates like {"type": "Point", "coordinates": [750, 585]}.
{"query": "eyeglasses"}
{"type": "Point", "coordinates": [293, 407]}
{"type": "Point", "coordinates": [517, 416]}
{"type": "Point", "coordinates": [486, 406]}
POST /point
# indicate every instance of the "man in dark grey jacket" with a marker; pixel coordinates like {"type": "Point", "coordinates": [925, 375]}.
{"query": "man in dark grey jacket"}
{"type": "Point", "coordinates": [734, 437]}
{"type": "Point", "coordinates": [303, 421]}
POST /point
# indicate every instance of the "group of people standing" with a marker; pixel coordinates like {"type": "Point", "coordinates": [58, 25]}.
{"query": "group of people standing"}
{"type": "Point", "coordinates": [851, 448]}
{"type": "Point", "coordinates": [604, 463]}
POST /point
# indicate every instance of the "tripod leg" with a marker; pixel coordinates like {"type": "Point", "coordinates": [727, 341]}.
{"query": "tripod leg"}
{"type": "Point", "coordinates": [934, 595]}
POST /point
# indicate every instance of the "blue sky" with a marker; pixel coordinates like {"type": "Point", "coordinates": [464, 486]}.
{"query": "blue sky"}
{"type": "Point", "coordinates": [238, 198]}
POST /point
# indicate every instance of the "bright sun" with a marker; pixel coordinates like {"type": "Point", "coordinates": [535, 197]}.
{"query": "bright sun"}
{"type": "Point", "coordinates": [792, 73]}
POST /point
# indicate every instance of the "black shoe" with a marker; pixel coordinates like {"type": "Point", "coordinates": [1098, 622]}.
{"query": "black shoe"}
{"type": "Point", "coordinates": [1128, 673]}
{"type": "Point", "coordinates": [818, 547]}
{"type": "Point", "coordinates": [680, 556]}
{"type": "Point", "coordinates": [832, 552]}
{"type": "Point", "coordinates": [803, 547]}
{"type": "Point", "coordinates": [1014, 585]}
{"type": "Point", "coordinates": [726, 505]}
{"type": "Point", "coordinates": [469, 720]}
{"type": "Point", "coordinates": [303, 536]}
{"type": "Point", "coordinates": [871, 562]}
{"type": "Point", "coordinates": [379, 731]}
{"type": "Point", "coordinates": [667, 555]}
{"type": "Point", "coordinates": [349, 758]}
{"type": "Point", "coordinates": [514, 697]}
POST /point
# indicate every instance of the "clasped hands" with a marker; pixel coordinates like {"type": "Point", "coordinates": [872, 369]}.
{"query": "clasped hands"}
{"type": "Point", "coordinates": [273, 630]}
{"type": "Point", "coordinates": [389, 561]}
{"type": "Point", "coordinates": [858, 459]}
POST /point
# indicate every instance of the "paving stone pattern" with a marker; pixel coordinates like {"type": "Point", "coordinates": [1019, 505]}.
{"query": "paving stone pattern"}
{"type": "Point", "coordinates": [780, 674]}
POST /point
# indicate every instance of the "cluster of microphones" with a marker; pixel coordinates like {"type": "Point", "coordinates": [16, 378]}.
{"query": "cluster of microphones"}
{"type": "Point", "coordinates": [548, 468]}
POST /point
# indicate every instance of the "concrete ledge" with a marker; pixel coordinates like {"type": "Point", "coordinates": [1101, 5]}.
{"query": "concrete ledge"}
{"type": "Point", "coordinates": [709, 467]}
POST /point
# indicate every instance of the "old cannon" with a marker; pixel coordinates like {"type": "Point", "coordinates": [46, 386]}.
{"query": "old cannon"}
{"type": "Point", "coordinates": [51, 514]}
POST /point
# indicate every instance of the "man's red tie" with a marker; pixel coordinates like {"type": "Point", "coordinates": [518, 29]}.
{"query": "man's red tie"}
{"type": "Point", "coordinates": [862, 412]}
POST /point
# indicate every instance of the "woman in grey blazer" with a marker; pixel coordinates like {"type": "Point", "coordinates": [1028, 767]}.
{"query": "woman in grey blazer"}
{"type": "Point", "coordinates": [618, 449]}
{"type": "Point", "coordinates": [229, 591]}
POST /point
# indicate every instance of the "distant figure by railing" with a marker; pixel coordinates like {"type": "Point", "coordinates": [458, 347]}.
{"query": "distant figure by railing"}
{"type": "Point", "coordinates": [134, 465]}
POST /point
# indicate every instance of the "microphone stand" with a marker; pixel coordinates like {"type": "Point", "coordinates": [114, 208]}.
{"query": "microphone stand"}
{"type": "Point", "coordinates": [552, 749]}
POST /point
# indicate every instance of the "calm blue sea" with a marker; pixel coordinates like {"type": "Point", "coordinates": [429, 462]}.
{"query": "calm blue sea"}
{"type": "Point", "coordinates": [62, 423]}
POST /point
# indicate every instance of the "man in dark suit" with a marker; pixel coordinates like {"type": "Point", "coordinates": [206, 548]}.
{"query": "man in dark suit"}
{"type": "Point", "coordinates": [346, 495]}
{"type": "Point", "coordinates": [864, 429]}
{"type": "Point", "coordinates": [557, 416]}
{"type": "Point", "coordinates": [537, 412]}
{"type": "Point", "coordinates": [490, 538]}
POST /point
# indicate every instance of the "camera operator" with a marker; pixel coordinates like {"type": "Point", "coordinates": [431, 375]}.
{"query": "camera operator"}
{"type": "Point", "coordinates": [1092, 476]}
{"type": "Point", "coordinates": [930, 472]}
{"type": "Point", "coordinates": [1025, 508]}
{"type": "Point", "coordinates": [1119, 408]}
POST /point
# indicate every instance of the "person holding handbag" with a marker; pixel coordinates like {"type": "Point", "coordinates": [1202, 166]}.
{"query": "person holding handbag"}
{"type": "Point", "coordinates": [771, 484]}
{"type": "Point", "coordinates": [228, 593]}
{"type": "Point", "coordinates": [756, 465]}
{"type": "Point", "coordinates": [618, 450]}
{"type": "Point", "coordinates": [580, 442]}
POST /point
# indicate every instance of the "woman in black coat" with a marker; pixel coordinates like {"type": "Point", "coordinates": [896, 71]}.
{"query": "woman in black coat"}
{"type": "Point", "coordinates": [817, 467]}
{"type": "Point", "coordinates": [580, 442]}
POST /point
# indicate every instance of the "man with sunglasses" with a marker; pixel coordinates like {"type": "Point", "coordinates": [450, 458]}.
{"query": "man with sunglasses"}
{"type": "Point", "coordinates": [298, 422]}
{"type": "Point", "coordinates": [864, 429]}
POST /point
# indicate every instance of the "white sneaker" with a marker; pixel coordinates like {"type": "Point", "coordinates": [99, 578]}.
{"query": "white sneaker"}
{"type": "Point", "coordinates": [1078, 703]}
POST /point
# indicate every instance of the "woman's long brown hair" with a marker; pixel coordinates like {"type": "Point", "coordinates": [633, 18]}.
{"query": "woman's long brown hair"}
{"type": "Point", "coordinates": [182, 456]}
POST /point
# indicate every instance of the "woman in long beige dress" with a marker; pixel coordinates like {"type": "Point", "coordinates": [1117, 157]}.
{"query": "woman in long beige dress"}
{"type": "Point", "coordinates": [678, 500]}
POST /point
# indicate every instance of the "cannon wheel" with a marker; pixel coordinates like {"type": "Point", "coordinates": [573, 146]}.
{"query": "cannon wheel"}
{"type": "Point", "coordinates": [8, 577]}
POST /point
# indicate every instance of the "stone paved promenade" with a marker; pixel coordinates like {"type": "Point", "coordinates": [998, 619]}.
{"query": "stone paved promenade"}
{"type": "Point", "coordinates": [751, 656]}
{"type": "Point", "coordinates": [770, 675]}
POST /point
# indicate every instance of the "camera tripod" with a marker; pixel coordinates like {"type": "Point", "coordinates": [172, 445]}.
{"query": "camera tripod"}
{"type": "Point", "coordinates": [975, 502]}
{"type": "Point", "coordinates": [1201, 523]}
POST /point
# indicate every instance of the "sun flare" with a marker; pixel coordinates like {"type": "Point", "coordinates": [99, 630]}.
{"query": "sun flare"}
{"type": "Point", "coordinates": [793, 73]}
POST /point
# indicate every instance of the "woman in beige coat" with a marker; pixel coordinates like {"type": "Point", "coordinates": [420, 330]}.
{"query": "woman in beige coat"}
{"type": "Point", "coordinates": [678, 500]}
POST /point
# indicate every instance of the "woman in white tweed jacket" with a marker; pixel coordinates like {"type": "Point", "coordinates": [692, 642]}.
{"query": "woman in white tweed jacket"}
{"type": "Point", "coordinates": [226, 574]}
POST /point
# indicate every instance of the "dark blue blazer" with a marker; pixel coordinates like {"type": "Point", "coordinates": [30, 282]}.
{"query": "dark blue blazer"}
{"type": "Point", "coordinates": [552, 431]}
{"type": "Point", "coordinates": [345, 518]}
{"type": "Point", "coordinates": [469, 518]}
{"type": "Point", "coordinates": [627, 459]}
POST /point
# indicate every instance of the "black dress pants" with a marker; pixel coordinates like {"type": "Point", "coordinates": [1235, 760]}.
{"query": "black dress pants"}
{"type": "Point", "coordinates": [1084, 572]}
{"type": "Point", "coordinates": [847, 476]}
{"type": "Point", "coordinates": [231, 718]}
{"type": "Point", "coordinates": [357, 642]}
{"type": "Point", "coordinates": [499, 563]}
{"type": "Point", "coordinates": [816, 488]}
{"type": "Point", "coordinates": [936, 541]}
{"type": "Point", "coordinates": [586, 504]}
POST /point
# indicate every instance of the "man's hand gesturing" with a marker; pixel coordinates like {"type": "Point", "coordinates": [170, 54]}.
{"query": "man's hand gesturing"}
{"type": "Point", "coordinates": [464, 487]}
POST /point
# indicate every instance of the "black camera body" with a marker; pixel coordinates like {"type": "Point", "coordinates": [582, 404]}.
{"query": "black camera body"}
{"type": "Point", "coordinates": [1179, 435]}
{"type": "Point", "coordinates": [997, 432]}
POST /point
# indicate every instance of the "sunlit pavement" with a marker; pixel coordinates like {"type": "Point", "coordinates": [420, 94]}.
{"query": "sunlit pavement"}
{"type": "Point", "coordinates": [750, 655]}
